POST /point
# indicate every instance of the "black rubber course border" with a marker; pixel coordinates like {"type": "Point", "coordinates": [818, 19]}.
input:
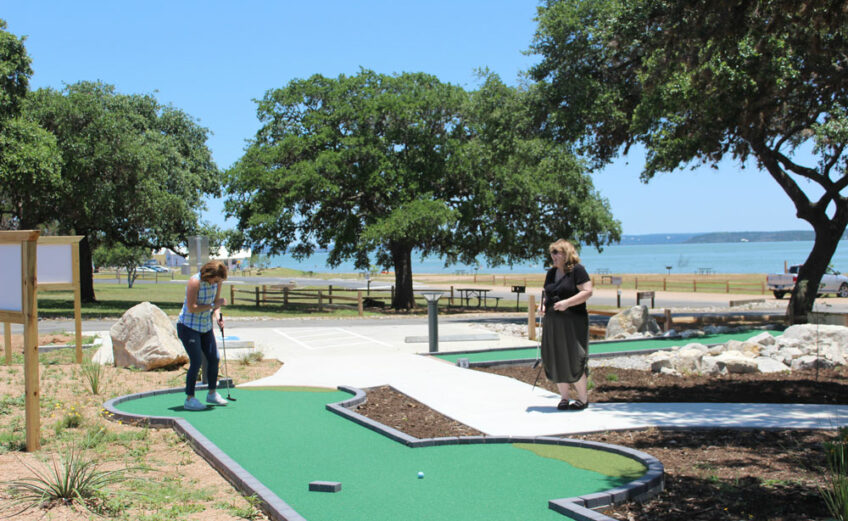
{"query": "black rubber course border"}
{"type": "Point", "coordinates": [580, 508]}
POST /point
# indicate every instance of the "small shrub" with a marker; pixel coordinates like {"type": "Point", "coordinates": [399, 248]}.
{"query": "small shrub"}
{"type": "Point", "coordinates": [612, 377]}
{"type": "Point", "coordinates": [835, 491]}
{"type": "Point", "coordinates": [94, 374]}
{"type": "Point", "coordinates": [71, 419]}
{"type": "Point", "coordinates": [74, 479]}
{"type": "Point", "coordinates": [252, 358]}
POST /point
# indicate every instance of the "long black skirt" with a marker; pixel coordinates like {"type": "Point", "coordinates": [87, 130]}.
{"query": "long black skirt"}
{"type": "Point", "coordinates": [565, 346]}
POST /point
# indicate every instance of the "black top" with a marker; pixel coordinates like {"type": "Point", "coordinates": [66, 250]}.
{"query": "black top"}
{"type": "Point", "coordinates": [556, 290]}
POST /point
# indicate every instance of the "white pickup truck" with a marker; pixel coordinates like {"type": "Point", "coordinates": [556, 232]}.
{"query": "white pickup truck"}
{"type": "Point", "coordinates": [832, 282]}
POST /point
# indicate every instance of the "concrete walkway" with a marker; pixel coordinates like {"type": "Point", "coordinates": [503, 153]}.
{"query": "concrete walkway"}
{"type": "Point", "coordinates": [370, 356]}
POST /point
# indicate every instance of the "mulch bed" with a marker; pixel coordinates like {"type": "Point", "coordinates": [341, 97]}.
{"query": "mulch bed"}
{"type": "Point", "coordinates": [719, 474]}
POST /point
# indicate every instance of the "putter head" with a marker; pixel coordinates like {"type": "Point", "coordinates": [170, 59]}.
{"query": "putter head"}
{"type": "Point", "coordinates": [536, 363]}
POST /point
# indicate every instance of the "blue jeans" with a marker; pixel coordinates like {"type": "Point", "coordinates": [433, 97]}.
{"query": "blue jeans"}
{"type": "Point", "coordinates": [198, 345]}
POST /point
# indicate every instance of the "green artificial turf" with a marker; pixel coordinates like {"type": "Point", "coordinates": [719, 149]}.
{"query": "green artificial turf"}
{"type": "Point", "coordinates": [596, 348]}
{"type": "Point", "coordinates": [286, 439]}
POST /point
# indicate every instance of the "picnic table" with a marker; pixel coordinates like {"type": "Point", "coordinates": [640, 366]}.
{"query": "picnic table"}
{"type": "Point", "coordinates": [467, 293]}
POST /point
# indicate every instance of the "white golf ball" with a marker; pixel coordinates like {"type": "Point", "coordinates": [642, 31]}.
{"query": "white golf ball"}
{"type": "Point", "coordinates": [420, 475]}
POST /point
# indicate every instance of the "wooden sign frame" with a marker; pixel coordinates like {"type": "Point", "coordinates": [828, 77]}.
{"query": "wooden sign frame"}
{"type": "Point", "coordinates": [53, 276]}
{"type": "Point", "coordinates": [26, 314]}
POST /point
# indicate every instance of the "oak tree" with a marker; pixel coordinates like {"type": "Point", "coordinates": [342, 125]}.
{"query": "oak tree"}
{"type": "Point", "coordinates": [695, 82]}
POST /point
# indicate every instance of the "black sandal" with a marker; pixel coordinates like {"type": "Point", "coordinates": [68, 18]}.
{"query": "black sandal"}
{"type": "Point", "coordinates": [577, 405]}
{"type": "Point", "coordinates": [563, 405]}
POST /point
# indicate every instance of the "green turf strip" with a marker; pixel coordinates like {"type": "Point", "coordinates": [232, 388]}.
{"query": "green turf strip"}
{"type": "Point", "coordinates": [287, 439]}
{"type": "Point", "coordinates": [527, 353]}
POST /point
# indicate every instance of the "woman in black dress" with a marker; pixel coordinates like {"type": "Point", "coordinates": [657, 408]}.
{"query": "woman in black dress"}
{"type": "Point", "coordinates": [565, 329]}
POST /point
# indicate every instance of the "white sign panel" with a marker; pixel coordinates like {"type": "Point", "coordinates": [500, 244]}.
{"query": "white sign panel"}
{"type": "Point", "coordinates": [54, 264]}
{"type": "Point", "coordinates": [11, 294]}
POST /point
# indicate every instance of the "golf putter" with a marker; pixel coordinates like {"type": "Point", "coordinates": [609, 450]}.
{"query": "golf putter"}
{"type": "Point", "coordinates": [224, 349]}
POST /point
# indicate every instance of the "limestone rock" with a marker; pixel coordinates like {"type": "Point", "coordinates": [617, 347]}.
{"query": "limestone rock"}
{"type": "Point", "coordinates": [632, 321]}
{"type": "Point", "coordinates": [146, 339]}
{"type": "Point", "coordinates": [766, 364]}
{"type": "Point", "coordinates": [764, 339]}
{"type": "Point", "coordinates": [736, 363]}
{"type": "Point", "coordinates": [711, 366]}
{"type": "Point", "coordinates": [659, 361]}
{"type": "Point", "coordinates": [811, 362]}
{"type": "Point", "coordinates": [688, 360]}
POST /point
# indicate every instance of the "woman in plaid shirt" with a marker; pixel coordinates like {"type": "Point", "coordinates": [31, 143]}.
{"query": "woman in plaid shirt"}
{"type": "Point", "coordinates": [195, 328]}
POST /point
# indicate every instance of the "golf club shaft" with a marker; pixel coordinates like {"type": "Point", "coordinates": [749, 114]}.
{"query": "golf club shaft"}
{"type": "Point", "coordinates": [224, 349]}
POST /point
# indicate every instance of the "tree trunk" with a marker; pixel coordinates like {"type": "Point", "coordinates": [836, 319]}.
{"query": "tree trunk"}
{"type": "Point", "coordinates": [402, 259]}
{"type": "Point", "coordinates": [86, 273]}
{"type": "Point", "coordinates": [810, 274]}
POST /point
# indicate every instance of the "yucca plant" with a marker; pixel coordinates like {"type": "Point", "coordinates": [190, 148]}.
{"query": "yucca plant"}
{"type": "Point", "coordinates": [74, 479]}
{"type": "Point", "coordinates": [93, 373]}
{"type": "Point", "coordinates": [835, 492]}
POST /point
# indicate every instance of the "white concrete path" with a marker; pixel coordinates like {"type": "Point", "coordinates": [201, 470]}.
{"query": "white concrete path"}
{"type": "Point", "coordinates": [371, 356]}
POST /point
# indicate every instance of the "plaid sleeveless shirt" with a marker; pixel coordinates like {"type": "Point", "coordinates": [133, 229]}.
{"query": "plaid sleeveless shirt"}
{"type": "Point", "coordinates": [200, 322]}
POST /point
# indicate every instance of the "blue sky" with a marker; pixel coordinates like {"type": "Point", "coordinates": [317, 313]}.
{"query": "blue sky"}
{"type": "Point", "coordinates": [212, 58]}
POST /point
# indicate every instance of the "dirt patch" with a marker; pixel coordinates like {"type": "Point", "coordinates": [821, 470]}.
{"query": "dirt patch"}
{"type": "Point", "coordinates": [52, 339]}
{"type": "Point", "coordinates": [186, 487]}
{"type": "Point", "coordinates": [710, 474]}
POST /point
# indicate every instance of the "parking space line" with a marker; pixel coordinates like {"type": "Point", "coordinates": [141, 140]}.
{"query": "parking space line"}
{"type": "Point", "coordinates": [312, 338]}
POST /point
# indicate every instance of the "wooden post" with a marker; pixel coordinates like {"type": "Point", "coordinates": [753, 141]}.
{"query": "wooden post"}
{"type": "Point", "coordinates": [664, 283]}
{"type": "Point", "coordinates": [531, 317]}
{"type": "Point", "coordinates": [257, 295]}
{"type": "Point", "coordinates": [636, 282]}
{"type": "Point", "coordinates": [359, 302]}
{"type": "Point", "coordinates": [667, 319]}
{"type": "Point", "coordinates": [330, 294]}
{"type": "Point", "coordinates": [232, 294]}
{"type": "Point", "coordinates": [694, 286]}
{"type": "Point", "coordinates": [30, 313]}
{"type": "Point", "coordinates": [7, 338]}
{"type": "Point", "coordinates": [285, 296]}
{"type": "Point", "coordinates": [451, 297]}
{"type": "Point", "coordinates": [264, 293]}
{"type": "Point", "coordinates": [728, 287]}
{"type": "Point", "coordinates": [320, 301]}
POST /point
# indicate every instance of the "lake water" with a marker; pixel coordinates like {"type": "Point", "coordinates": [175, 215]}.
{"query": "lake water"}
{"type": "Point", "coordinates": [737, 257]}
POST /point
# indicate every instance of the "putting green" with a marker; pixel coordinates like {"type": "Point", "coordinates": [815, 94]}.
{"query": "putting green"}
{"type": "Point", "coordinates": [286, 438]}
{"type": "Point", "coordinates": [598, 348]}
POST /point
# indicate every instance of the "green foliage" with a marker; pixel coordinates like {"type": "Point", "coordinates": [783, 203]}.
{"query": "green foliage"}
{"type": "Point", "coordinates": [134, 172]}
{"type": "Point", "coordinates": [15, 71]}
{"type": "Point", "coordinates": [73, 479]}
{"type": "Point", "coordinates": [694, 82]}
{"type": "Point", "coordinates": [93, 373]}
{"type": "Point", "coordinates": [383, 165]}
{"type": "Point", "coordinates": [249, 511]}
{"type": "Point", "coordinates": [835, 491]}
{"type": "Point", "coordinates": [122, 256]}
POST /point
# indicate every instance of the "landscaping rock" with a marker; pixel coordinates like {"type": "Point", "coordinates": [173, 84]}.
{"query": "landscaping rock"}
{"type": "Point", "coordinates": [736, 363]}
{"type": "Point", "coordinates": [146, 339]}
{"type": "Point", "coordinates": [764, 339]}
{"type": "Point", "coordinates": [811, 362]}
{"type": "Point", "coordinates": [770, 365]}
{"type": "Point", "coordinates": [630, 322]}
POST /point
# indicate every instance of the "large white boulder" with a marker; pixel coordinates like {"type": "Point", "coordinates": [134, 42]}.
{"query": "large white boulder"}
{"type": "Point", "coordinates": [631, 321]}
{"type": "Point", "coordinates": [146, 339]}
